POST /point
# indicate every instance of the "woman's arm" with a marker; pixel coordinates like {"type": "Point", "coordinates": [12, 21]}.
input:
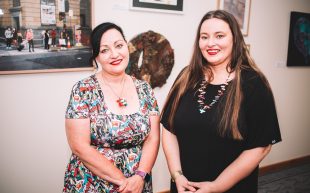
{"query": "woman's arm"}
{"type": "Point", "coordinates": [150, 146]}
{"type": "Point", "coordinates": [236, 171]}
{"type": "Point", "coordinates": [171, 150]}
{"type": "Point", "coordinates": [78, 135]}
{"type": "Point", "coordinates": [149, 153]}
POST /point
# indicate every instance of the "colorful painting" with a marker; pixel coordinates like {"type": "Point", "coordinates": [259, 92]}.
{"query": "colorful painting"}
{"type": "Point", "coordinates": [299, 40]}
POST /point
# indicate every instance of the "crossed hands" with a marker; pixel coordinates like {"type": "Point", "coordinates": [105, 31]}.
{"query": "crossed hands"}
{"type": "Point", "coordinates": [133, 184]}
{"type": "Point", "coordinates": [185, 186]}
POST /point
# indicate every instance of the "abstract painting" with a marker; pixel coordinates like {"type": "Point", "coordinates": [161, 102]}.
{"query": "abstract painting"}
{"type": "Point", "coordinates": [299, 40]}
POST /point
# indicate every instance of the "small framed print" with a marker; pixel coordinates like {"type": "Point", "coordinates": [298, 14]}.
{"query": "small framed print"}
{"type": "Point", "coordinates": [240, 9]}
{"type": "Point", "coordinates": [166, 6]}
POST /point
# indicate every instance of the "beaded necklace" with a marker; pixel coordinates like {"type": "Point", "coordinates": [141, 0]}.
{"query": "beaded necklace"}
{"type": "Point", "coordinates": [201, 95]}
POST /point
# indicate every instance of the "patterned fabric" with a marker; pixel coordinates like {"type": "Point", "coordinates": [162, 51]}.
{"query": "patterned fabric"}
{"type": "Point", "coordinates": [117, 137]}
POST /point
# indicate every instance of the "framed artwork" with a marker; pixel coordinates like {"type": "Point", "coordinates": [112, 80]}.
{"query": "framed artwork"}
{"type": "Point", "coordinates": [299, 38]}
{"type": "Point", "coordinates": [43, 63]}
{"type": "Point", "coordinates": [167, 6]}
{"type": "Point", "coordinates": [151, 58]}
{"type": "Point", "coordinates": [240, 9]}
{"type": "Point", "coordinates": [60, 42]}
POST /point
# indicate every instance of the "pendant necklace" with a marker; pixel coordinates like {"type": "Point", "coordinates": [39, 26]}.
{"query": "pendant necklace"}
{"type": "Point", "coordinates": [122, 102]}
{"type": "Point", "coordinates": [201, 95]}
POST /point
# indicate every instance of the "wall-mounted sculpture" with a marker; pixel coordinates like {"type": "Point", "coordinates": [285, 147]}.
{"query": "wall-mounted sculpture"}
{"type": "Point", "coordinates": [151, 58]}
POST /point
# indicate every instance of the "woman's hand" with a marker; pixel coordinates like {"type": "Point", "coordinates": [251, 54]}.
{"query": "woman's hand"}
{"type": "Point", "coordinates": [183, 184]}
{"type": "Point", "coordinates": [123, 185]}
{"type": "Point", "coordinates": [134, 184]}
{"type": "Point", "coordinates": [203, 187]}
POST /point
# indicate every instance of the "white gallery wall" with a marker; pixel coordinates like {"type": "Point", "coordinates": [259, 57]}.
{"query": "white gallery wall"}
{"type": "Point", "coordinates": [33, 147]}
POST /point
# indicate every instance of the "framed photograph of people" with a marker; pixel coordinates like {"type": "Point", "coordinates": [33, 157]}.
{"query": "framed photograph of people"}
{"type": "Point", "coordinates": [240, 9]}
{"type": "Point", "coordinates": [44, 37]}
{"type": "Point", "coordinates": [167, 6]}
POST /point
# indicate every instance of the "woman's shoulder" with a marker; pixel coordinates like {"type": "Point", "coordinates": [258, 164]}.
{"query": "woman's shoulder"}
{"type": "Point", "coordinates": [249, 77]}
{"type": "Point", "coordinates": [253, 81]}
{"type": "Point", "coordinates": [249, 74]}
{"type": "Point", "coordinates": [140, 83]}
{"type": "Point", "coordinates": [87, 83]}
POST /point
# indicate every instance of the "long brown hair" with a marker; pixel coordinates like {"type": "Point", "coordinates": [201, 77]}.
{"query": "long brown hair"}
{"type": "Point", "coordinates": [192, 74]}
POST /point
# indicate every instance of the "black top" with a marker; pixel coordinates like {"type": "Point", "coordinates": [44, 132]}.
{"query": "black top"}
{"type": "Point", "coordinates": [203, 153]}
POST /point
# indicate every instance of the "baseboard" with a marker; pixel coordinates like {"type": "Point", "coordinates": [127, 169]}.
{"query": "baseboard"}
{"type": "Point", "coordinates": [284, 165]}
{"type": "Point", "coordinates": [166, 191]}
{"type": "Point", "coordinates": [276, 167]}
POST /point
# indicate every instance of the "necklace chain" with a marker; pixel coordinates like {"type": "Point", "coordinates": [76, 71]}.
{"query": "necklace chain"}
{"type": "Point", "coordinates": [122, 102]}
{"type": "Point", "coordinates": [202, 91]}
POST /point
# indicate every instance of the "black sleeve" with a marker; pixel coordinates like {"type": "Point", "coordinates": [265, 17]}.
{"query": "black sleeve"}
{"type": "Point", "coordinates": [261, 117]}
{"type": "Point", "coordinates": [167, 110]}
{"type": "Point", "coordinates": [166, 114]}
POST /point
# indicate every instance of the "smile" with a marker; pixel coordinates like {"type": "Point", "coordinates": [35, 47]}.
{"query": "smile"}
{"type": "Point", "coordinates": [116, 62]}
{"type": "Point", "coordinates": [213, 51]}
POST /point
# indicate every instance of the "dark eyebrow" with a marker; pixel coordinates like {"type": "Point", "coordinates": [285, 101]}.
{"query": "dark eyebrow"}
{"type": "Point", "coordinates": [217, 32]}
{"type": "Point", "coordinates": [117, 41]}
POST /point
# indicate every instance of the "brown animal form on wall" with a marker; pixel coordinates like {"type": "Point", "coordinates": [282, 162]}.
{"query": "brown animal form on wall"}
{"type": "Point", "coordinates": [157, 58]}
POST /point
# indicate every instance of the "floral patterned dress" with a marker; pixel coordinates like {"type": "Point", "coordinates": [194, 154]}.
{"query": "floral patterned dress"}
{"type": "Point", "coordinates": [117, 137]}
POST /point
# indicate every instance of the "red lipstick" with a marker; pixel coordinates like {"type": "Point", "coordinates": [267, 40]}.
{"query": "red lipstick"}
{"type": "Point", "coordinates": [116, 62]}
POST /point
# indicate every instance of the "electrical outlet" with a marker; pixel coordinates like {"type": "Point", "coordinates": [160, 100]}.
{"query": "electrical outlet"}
{"type": "Point", "coordinates": [279, 64]}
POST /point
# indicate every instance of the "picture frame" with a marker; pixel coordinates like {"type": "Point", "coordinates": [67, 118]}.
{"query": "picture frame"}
{"type": "Point", "coordinates": [164, 6]}
{"type": "Point", "coordinates": [298, 43]}
{"type": "Point", "coordinates": [71, 50]}
{"type": "Point", "coordinates": [240, 9]}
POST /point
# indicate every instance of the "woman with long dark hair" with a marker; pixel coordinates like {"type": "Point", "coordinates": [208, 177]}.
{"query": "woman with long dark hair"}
{"type": "Point", "coordinates": [219, 118]}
